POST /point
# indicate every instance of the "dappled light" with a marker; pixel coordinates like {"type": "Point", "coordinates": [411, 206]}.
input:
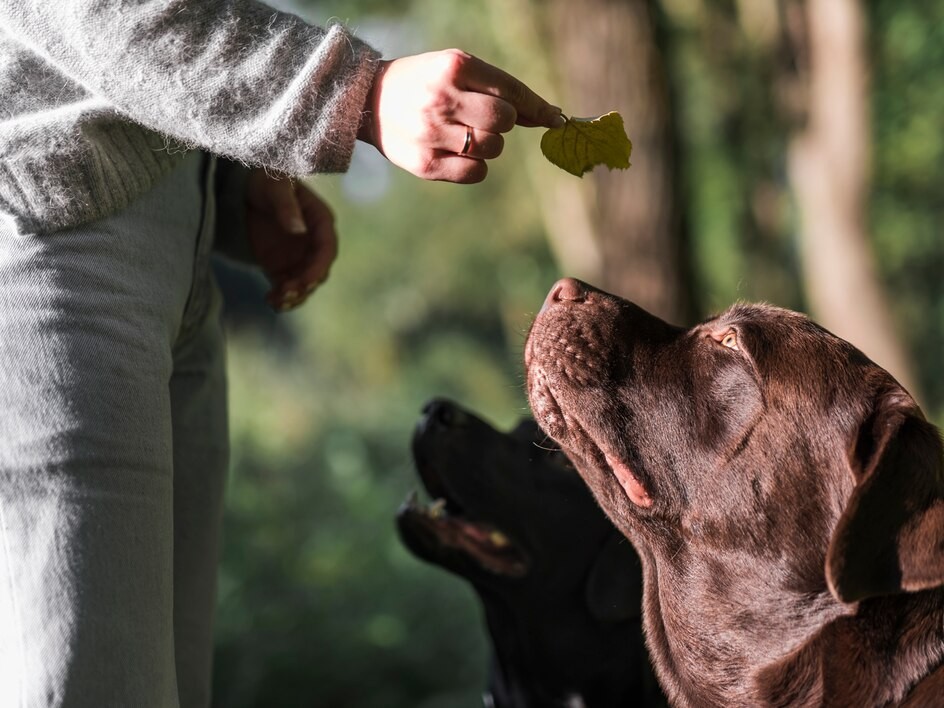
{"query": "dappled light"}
{"type": "Point", "coordinates": [436, 285]}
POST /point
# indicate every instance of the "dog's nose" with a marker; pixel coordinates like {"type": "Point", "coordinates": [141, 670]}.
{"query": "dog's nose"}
{"type": "Point", "coordinates": [439, 412]}
{"type": "Point", "coordinates": [442, 413]}
{"type": "Point", "coordinates": [565, 289]}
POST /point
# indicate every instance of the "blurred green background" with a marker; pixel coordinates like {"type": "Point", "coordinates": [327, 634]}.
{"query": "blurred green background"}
{"type": "Point", "coordinates": [434, 289]}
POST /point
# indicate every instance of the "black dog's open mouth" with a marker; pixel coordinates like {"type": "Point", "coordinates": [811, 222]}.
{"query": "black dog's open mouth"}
{"type": "Point", "coordinates": [440, 527]}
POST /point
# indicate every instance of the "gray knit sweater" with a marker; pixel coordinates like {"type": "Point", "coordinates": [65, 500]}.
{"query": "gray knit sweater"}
{"type": "Point", "coordinates": [99, 98]}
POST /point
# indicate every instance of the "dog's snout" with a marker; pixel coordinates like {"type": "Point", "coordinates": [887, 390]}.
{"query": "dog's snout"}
{"type": "Point", "coordinates": [438, 412]}
{"type": "Point", "coordinates": [565, 290]}
{"type": "Point", "coordinates": [442, 414]}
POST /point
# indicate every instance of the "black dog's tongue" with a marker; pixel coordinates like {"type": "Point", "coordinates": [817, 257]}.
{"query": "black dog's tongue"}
{"type": "Point", "coordinates": [438, 531]}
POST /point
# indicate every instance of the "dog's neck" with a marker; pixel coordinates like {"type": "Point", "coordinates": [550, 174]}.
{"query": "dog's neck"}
{"type": "Point", "coordinates": [881, 650]}
{"type": "Point", "coordinates": [879, 653]}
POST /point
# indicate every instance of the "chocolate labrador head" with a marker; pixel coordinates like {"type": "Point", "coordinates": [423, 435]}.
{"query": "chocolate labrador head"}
{"type": "Point", "coordinates": [560, 586]}
{"type": "Point", "coordinates": [785, 494]}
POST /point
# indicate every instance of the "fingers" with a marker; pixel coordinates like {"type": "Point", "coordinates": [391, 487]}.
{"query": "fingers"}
{"type": "Point", "coordinates": [481, 77]}
{"type": "Point", "coordinates": [314, 253]}
{"type": "Point", "coordinates": [421, 106]}
{"type": "Point", "coordinates": [287, 210]}
{"type": "Point", "coordinates": [480, 110]}
{"type": "Point", "coordinates": [293, 237]}
{"type": "Point", "coordinates": [320, 220]}
{"type": "Point", "coordinates": [472, 142]}
{"type": "Point", "coordinates": [277, 196]}
{"type": "Point", "coordinates": [449, 167]}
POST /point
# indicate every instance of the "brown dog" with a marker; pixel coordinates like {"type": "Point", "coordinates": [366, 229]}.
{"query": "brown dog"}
{"type": "Point", "coordinates": [785, 494]}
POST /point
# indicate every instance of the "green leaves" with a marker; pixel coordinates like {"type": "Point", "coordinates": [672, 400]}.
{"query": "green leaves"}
{"type": "Point", "coordinates": [582, 143]}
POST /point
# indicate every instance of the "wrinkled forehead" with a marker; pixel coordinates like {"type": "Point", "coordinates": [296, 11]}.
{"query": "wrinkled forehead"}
{"type": "Point", "coordinates": [763, 315]}
{"type": "Point", "coordinates": [769, 330]}
{"type": "Point", "coordinates": [787, 348]}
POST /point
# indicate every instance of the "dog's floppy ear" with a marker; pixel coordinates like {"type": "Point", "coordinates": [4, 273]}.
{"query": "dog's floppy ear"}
{"type": "Point", "coordinates": [890, 537]}
{"type": "Point", "coordinates": [614, 586]}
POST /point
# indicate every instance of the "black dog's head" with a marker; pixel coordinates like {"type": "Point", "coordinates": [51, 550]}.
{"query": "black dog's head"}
{"type": "Point", "coordinates": [560, 587]}
{"type": "Point", "coordinates": [769, 474]}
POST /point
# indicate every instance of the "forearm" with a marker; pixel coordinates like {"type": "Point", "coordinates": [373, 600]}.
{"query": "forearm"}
{"type": "Point", "coordinates": [230, 76]}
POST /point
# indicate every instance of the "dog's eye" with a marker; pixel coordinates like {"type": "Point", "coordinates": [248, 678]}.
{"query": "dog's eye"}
{"type": "Point", "coordinates": [730, 341]}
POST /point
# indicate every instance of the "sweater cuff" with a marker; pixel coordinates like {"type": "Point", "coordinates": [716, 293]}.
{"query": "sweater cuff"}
{"type": "Point", "coordinates": [340, 112]}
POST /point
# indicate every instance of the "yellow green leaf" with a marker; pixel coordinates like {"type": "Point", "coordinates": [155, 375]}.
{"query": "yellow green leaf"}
{"type": "Point", "coordinates": [582, 143]}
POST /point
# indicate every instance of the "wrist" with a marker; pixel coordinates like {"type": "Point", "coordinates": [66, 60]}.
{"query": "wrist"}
{"type": "Point", "coordinates": [368, 131]}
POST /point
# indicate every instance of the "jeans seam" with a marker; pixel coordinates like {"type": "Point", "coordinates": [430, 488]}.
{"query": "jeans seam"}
{"type": "Point", "coordinates": [198, 299]}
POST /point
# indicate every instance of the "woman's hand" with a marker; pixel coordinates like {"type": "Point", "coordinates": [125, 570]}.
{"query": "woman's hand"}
{"type": "Point", "coordinates": [291, 233]}
{"type": "Point", "coordinates": [440, 115]}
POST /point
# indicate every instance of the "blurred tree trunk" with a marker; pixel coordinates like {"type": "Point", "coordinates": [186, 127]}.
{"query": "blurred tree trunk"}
{"type": "Point", "coordinates": [566, 204]}
{"type": "Point", "coordinates": [829, 164]}
{"type": "Point", "coordinates": [608, 57]}
{"type": "Point", "coordinates": [603, 55]}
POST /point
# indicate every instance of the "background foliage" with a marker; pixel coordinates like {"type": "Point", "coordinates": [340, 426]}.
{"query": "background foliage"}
{"type": "Point", "coordinates": [319, 605]}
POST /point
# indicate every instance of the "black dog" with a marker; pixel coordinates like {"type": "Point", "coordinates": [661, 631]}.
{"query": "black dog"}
{"type": "Point", "coordinates": [560, 587]}
{"type": "Point", "coordinates": [785, 494]}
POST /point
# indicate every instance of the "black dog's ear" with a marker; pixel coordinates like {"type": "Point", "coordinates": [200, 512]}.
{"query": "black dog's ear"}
{"type": "Point", "coordinates": [614, 586]}
{"type": "Point", "coordinates": [890, 537]}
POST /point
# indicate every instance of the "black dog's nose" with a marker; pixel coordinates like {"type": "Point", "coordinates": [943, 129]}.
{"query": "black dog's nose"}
{"type": "Point", "coordinates": [565, 289]}
{"type": "Point", "coordinates": [438, 411]}
{"type": "Point", "coordinates": [442, 413]}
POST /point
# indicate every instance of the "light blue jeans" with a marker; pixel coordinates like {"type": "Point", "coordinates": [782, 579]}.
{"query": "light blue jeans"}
{"type": "Point", "coordinates": [113, 454]}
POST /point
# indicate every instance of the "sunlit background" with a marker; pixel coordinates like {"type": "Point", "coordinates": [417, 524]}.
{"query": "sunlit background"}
{"type": "Point", "coordinates": [435, 286]}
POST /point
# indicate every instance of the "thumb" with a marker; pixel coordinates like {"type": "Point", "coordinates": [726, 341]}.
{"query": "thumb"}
{"type": "Point", "coordinates": [283, 200]}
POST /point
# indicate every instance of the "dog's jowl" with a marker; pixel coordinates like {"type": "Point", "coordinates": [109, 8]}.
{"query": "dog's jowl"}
{"type": "Point", "coordinates": [785, 494]}
{"type": "Point", "coordinates": [559, 585]}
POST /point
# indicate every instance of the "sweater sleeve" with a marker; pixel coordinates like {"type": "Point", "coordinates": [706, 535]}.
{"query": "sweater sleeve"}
{"type": "Point", "coordinates": [233, 77]}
